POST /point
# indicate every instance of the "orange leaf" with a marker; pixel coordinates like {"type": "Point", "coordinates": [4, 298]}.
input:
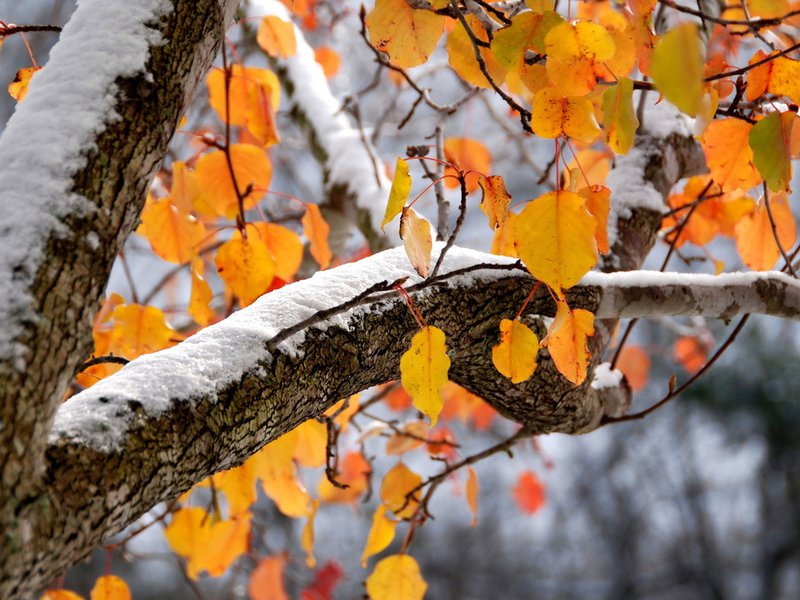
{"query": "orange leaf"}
{"type": "Point", "coordinates": [139, 330]}
{"type": "Point", "coordinates": [284, 245]}
{"type": "Point", "coordinates": [461, 54]}
{"type": "Point", "coordinates": [472, 494]}
{"type": "Point", "coordinates": [755, 239]}
{"type": "Point", "coordinates": [276, 37]}
{"type": "Point", "coordinates": [60, 595]}
{"type": "Point", "coordinates": [413, 434]}
{"type": "Point", "coordinates": [567, 341]}
{"type": "Point", "coordinates": [312, 441]}
{"type": "Point", "coordinates": [380, 535]}
{"type": "Point", "coordinates": [690, 353]}
{"type": "Point", "coordinates": [440, 443]}
{"type": "Point", "coordinates": [354, 471]}
{"type": "Point", "coordinates": [415, 231]}
{"type": "Point", "coordinates": [316, 231]}
{"type": "Point", "coordinates": [573, 51]}
{"type": "Point", "coordinates": [529, 493]}
{"type": "Point", "coordinates": [201, 296]}
{"type": "Point", "coordinates": [245, 265]}
{"type": "Point", "coordinates": [242, 82]}
{"type": "Point", "coordinates": [503, 239]}
{"type": "Point", "coordinates": [239, 486]}
{"type": "Point", "coordinates": [466, 154]}
{"type": "Point", "coordinates": [495, 200]}
{"type": "Point", "coordinates": [406, 34]}
{"type": "Point", "coordinates": [635, 365]}
{"type": "Point", "coordinates": [217, 195]}
{"type": "Point", "coordinates": [266, 580]}
{"type": "Point", "coordinates": [329, 59]}
{"type": "Point", "coordinates": [396, 486]}
{"type": "Point", "coordinates": [554, 114]}
{"type": "Point", "coordinates": [730, 159]}
{"type": "Point", "coordinates": [18, 88]}
{"type": "Point", "coordinates": [110, 587]}
{"type": "Point", "coordinates": [174, 235]}
{"type": "Point", "coordinates": [598, 203]}
{"type": "Point", "coordinates": [783, 79]}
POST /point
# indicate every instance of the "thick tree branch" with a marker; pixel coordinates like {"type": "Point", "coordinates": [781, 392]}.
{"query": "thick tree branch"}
{"type": "Point", "coordinates": [77, 159]}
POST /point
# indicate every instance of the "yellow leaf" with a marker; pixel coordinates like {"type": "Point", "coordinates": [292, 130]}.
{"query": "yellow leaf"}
{"type": "Point", "coordinates": [173, 234]}
{"type": "Point", "coordinates": [472, 494]}
{"type": "Point", "coordinates": [380, 535]}
{"type": "Point", "coordinates": [18, 88]}
{"type": "Point", "coordinates": [216, 196]}
{"type": "Point", "coordinates": [407, 35]}
{"type": "Point", "coordinates": [415, 231]}
{"type": "Point", "coordinates": [284, 245]}
{"type": "Point", "coordinates": [110, 587]}
{"type": "Point", "coordinates": [554, 115]}
{"type": "Point", "coordinates": [424, 369]}
{"type": "Point", "coordinates": [395, 489]}
{"type": "Point", "coordinates": [396, 577]}
{"type": "Point", "coordinates": [316, 231]}
{"type": "Point", "coordinates": [184, 187]}
{"type": "Point", "coordinates": [566, 341]}
{"type": "Point", "coordinates": [555, 238]}
{"type": "Point", "coordinates": [307, 537]}
{"type": "Point", "coordinates": [138, 330]}
{"type": "Point", "coordinates": [239, 486]}
{"type": "Point", "coordinates": [784, 78]}
{"type": "Point", "coordinates": [461, 54]}
{"type": "Point", "coordinates": [515, 355]}
{"type": "Point", "coordinates": [598, 203]}
{"type": "Point", "coordinates": [401, 186]}
{"type": "Point", "coordinates": [495, 200]}
{"type": "Point", "coordinates": [677, 68]}
{"type": "Point", "coordinates": [755, 239]}
{"type": "Point", "coordinates": [288, 494]}
{"type": "Point", "coordinates": [245, 265]}
{"type": "Point", "coordinates": [201, 296]}
{"type": "Point", "coordinates": [343, 418]}
{"type": "Point", "coordinates": [573, 50]}
{"type": "Point", "coordinates": [266, 580]}
{"type": "Point", "coordinates": [619, 117]}
{"type": "Point", "coordinates": [503, 240]}
{"type": "Point", "coordinates": [312, 441]}
{"type": "Point", "coordinates": [277, 457]}
{"type": "Point", "coordinates": [526, 32]}
{"type": "Point", "coordinates": [276, 37]}
{"type": "Point", "coordinates": [208, 546]}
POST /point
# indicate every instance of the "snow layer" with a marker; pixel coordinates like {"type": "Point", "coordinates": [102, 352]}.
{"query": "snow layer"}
{"type": "Point", "coordinates": [606, 377]}
{"type": "Point", "coordinates": [219, 355]}
{"type": "Point", "coordinates": [349, 162]}
{"type": "Point", "coordinates": [44, 144]}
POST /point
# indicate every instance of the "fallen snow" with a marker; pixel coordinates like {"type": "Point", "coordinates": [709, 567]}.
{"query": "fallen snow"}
{"type": "Point", "coordinates": [606, 377]}
{"type": "Point", "coordinates": [349, 162]}
{"type": "Point", "coordinates": [68, 104]}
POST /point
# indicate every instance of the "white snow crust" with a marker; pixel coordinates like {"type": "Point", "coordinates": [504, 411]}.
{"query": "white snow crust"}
{"type": "Point", "coordinates": [606, 377]}
{"type": "Point", "coordinates": [68, 104]}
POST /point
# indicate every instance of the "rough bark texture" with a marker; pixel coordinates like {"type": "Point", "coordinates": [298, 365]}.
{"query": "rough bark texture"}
{"type": "Point", "coordinates": [68, 286]}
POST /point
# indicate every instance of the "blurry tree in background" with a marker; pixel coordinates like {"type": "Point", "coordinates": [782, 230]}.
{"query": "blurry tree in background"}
{"type": "Point", "coordinates": [586, 134]}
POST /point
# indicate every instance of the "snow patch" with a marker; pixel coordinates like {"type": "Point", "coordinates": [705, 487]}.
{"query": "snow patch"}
{"type": "Point", "coordinates": [606, 377]}
{"type": "Point", "coordinates": [68, 104]}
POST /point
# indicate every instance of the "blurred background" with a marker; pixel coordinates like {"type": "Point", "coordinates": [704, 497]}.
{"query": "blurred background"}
{"type": "Point", "coordinates": [701, 500]}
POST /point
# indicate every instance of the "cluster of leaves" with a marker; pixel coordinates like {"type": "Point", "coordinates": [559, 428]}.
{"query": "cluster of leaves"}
{"type": "Point", "coordinates": [569, 78]}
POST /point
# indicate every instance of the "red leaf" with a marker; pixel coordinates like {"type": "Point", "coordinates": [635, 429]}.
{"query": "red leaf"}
{"type": "Point", "coordinates": [328, 577]}
{"type": "Point", "coordinates": [529, 493]}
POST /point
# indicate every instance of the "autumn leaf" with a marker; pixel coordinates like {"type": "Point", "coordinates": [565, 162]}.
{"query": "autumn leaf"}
{"type": "Point", "coordinates": [174, 235]}
{"type": "Point", "coordinates": [239, 486]}
{"type": "Point", "coordinates": [690, 353]}
{"type": "Point", "coordinates": [18, 88]}
{"type": "Point", "coordinates": [726, 143]}
{"type": "Point", "coordinates": [395, 489]}
{"type": "Point", "coordinates": [461, 55]}
{"type": "Point", "coordinates": [139, 330]}
{"type": "Point", "coordinates": [330, 60]}
{"type": "Point", "coordinates": [398, 194]}
{"type": "Point", "coordinates": [288, 494]}
{"type": "Point", "coordinates": [555, 237]}
{"type": "Point", "coordinates": [246, 265]}
{"type": "Point", "coordinates": [554, 115]}
{"type": "Point", "coordinates": [266, 580]}
{"type": "Point", "coordinates": [312, 441]}
{"type": "Point", "coordinates": [567, 341]}
{"type": "Point", "coordinates": [495, 199]}
{"type": "Point", "coordinates": [470, 156]}
{"type": "Point", "coordinates": [598, 203]}
{"type": "Point", "coordinates": [424, 370]}
{"type": "Point", "coordinates": [526, 32]}
{"type": "Point", "coordinates": [110, 587]}
{"type": "Point", "coordinates": [406, 34]}
{"type": "Point", "coordinates": [354, 471]}
{"type": "Point", "coordinates": [515, 355]}
{"type": "Point", "coordinates": [472, 494]}
{"type": "Point", "coordinates": [755, 239]}
{"type": "Point", "coordinates": [573, 50]}
{"type": "Point", "coordinates": [784, 78]}
{"type": "Point", "coordinates": [396, 577]}
{"type": "Point", "coordinates": [276, 37]}
{"type": "Point", "coordinates": [529, 493]}
{"type": "Point", "coordinates": [307, 536]}
{"type": "Point", "coordinates": [60, 595]}
{"type": "Point", "coordinates": [326, 579]}
{"type": "Point", "coordinates": [503, 239]}
{"type": "Point", "coordinates": [411, 435]}
{"type": "Point", "coordinates": [252, 96]}
{"type": "Point", "coordinates": [380, 535]}
{"type": "Point", "coordinates": [677, 67]}
{"type": "Point", "coordinates": [634, 363]}
{"type": "Point", "coordinates": [217, 195]}
{"type": "Point", "coordinates": [415, 231]}
{"type": "Point", "coordinates": [770, 141]}
{"type": "Point", "coordinates": [619, 117]}
{"type": "Point", "coordinates": [284, 245]}
{"type": "Point", "coordinates": [316, 231]}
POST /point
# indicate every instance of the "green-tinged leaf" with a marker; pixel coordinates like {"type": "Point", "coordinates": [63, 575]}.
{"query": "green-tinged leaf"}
{"type": "Point", "coordinates": [677, 68]}
{"type": "Point", "coordinates": [770, 141]}
{"type": "Point", "coordinates": [619, 116]}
